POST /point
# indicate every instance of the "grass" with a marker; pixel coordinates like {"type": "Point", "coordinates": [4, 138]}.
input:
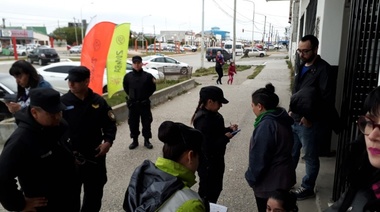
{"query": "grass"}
{"type": "Point", "coordinates": [256, 72]}
{"type": "Point", "coordinates": [120, 97]}
{"type": "Point", "coordinates": [290, 67]}
{"type": "Point", "coordinates": [211, 70]}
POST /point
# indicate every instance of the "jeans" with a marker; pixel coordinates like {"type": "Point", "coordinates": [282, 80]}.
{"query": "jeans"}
{"type": "Point", "coordinates": [306, 138]}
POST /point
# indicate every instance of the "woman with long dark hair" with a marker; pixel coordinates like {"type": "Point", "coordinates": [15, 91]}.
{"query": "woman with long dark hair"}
{"type": "Point", "coordinates": [26, 77]}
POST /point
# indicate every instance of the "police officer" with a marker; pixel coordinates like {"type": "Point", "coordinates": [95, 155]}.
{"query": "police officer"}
{"type": "Point", "coordinates": [139, 85]}
{"type": "Point", "coordinates": [92, 131]}
{"type": "Point", "coordinates": [37, 154]}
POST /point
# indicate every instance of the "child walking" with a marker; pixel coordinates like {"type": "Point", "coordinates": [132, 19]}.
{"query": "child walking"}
{"type": "Point", "coordinates": [231, 73]}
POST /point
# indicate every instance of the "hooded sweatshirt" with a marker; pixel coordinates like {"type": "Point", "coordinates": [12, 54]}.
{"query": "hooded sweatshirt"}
{"type": "Point", "coordinates": [270, 154]}
{"type": "Point", "coordinates": [40, 158]}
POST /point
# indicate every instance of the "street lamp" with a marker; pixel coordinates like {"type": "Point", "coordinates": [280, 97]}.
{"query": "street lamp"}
{"type": "Point", "coordinates": [142, 31]}
{"type": "Point", "coordinates": [81, 19]}
{"type": "Point", "coordinates": [253, 20]}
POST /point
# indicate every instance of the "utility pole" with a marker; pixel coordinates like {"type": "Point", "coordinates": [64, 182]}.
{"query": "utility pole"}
{"type": "Point", "coordinates": [234, 28]}
{"type": "Point", "coordinates": [3, 23]}
{"type": "Point", "coordinates": [269, 32]}
{"type": "Point", "coordinates": [265, 22]}
{"type": "Point", "coordinates": [75, 28]}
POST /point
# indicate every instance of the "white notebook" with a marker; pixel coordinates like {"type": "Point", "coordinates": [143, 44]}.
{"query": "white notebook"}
{"type": "Point", "coordinates": [217, 208]}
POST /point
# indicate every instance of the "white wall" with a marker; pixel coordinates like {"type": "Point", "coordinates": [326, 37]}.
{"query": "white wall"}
{"type": "Point", "coordinates": [40, 37]}
{"type": "Point", "coordinates": [330, 29]}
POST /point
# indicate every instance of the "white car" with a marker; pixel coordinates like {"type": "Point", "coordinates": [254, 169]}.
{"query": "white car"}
{"type": "Point", "coordinates": [156, 73]}
{"type": "Point", "coordinates": [166, 65]}
{"type": "Point", "coordinates": [190, 48]}
{"type": "Point", "coordinates": [75, 49]}
{"type": "Point", "coordinates": [256, 52]}
{"type": "Point", "coordinates": [55, 73]}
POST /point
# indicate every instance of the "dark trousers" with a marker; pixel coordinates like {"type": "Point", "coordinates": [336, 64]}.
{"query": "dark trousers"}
{"type": "Point", "coordinates": [261, 204]}
{"type": "Point", "coordinates": [135, 112]}
{"type": "Point", "coordinates": [219, 71]}
{"type": "Point", "coordinates": [211, 178]}
{"type": "Point", "coordinates": [93, 177]}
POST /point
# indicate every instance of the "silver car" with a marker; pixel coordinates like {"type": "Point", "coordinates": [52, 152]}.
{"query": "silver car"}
{"type": "Point", "coordinates": [166, 65]}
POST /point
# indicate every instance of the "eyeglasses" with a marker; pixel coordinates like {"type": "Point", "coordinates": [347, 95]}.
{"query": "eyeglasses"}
{"type": "Point", "coordinates": [303, 51]}
{"type": "Point", "coordinates": [366, 125]}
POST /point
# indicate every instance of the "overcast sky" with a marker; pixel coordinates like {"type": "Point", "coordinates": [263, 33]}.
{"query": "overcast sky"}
{"type": "Point", "coordinates": [151, 16]}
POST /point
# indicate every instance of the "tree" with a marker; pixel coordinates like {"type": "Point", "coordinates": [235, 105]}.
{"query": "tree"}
{"type": "Point", "coordinates": [68, 34]}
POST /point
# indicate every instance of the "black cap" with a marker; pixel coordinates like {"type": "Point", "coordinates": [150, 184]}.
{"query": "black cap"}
{"type": "Point", "coordinates": [78, 74]}
{"type": "Point", "coordinates": [47, 99]}
{"type": "Point", "coordinates": [136, 59]}
{"type": "Point", "coordinates": [214, 93]}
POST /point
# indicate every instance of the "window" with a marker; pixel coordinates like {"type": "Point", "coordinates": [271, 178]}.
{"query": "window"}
{"type": "Point", "coordinates": [60, 69]}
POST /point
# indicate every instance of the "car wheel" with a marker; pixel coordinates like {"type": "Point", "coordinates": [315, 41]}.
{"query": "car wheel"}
{"type": "Point", "coordinates": [40, 62]}
{"type": "Point", "coordinates": [23, 54]}
{"type": "Point", "coordinates": [209, 60]}
{"type": "Point", "coordinates": [184, 70]}
{"type": "Point", "coordinates": [30, 61]}
{"type": "Point", "coordinates": [261, 55]}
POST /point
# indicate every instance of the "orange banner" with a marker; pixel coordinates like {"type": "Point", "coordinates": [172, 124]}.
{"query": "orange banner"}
{"type": "Point", "coordinates": [94, 53]}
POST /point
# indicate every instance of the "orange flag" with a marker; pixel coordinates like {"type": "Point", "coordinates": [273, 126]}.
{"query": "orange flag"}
{"type": "Point", "coordinates": [94, 53]}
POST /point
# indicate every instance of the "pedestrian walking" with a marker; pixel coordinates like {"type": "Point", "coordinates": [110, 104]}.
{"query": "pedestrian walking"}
{"type": "Point", "coordinates": [139, 86]}
{"type": "Point", "coordinates": [219, 66]}
{"type": "Point", "coordinates": [165, 185]}
{"type": "Point", "coordinates": [26, 77]}
{"type": "Point", "coordinates": [312, 108]}
{"type": "Point", "coordinates": [231, 72]}
{"type": "Point", "coordinates": [210, 122]}
{"type": "Point", "coordinates": [270, 151]}
{"type": "Point", "coordinates": [92, 132]}
{"type": "Point", "coordinates": [38, 155]}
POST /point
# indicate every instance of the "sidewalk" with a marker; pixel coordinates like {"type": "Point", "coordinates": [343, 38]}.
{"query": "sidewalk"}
{"type": "Point", "coordinates": [236, 194]}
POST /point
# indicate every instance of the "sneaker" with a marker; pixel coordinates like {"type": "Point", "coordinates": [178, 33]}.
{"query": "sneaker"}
{"type": "Point", "coordinates": [303, 193]}
{"type": "Point", "coordinates": [134, 144]}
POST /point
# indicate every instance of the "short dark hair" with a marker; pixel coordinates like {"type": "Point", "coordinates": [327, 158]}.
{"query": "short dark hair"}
{"type": "Point", "coordinates": [178, 138]}
{"type": "Point", "coordinates": [266, 97]}
{"type": "Point", "coordinates": [313, 40]}
{"type": "Point", "coordinates": [287, 198]}
{"type": "Point", "coordinates": [372, 102]}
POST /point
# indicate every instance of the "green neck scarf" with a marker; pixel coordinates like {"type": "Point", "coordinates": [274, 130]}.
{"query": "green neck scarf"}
{"type": "Point", "coordinates": [258, 119]}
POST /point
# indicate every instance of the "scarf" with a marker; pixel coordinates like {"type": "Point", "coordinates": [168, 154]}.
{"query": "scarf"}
{"type": "Point", "coordinates": [259, 117]}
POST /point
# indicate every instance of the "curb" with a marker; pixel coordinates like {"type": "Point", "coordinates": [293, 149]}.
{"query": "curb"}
{"type": "Point", "coordinates": [7, 126]}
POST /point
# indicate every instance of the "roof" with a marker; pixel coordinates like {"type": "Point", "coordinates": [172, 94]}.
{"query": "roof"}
{"type": "Point", "coordinates": [38, 29]}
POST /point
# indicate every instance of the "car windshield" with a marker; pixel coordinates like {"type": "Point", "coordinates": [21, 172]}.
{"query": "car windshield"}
{"type": "Point", "coordinates": [50, 51]}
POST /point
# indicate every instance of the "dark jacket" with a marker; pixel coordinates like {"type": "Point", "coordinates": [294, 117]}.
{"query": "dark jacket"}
{"type": "Point", "coordinates": [316, 89]}
{"type": "Point", "coordinates": [139, 85]}
{"type": "Point", "coordinates": [40, 158]}
{"type": "Point", "coordinates": [149, 188]}
{"type": "Point", "coordinates": [211, 124]}
{"type": "Point", "coordinates": [270, 154]}
{"type": "Point", "coordinates": [91, 121]}
{"type": "Point", "coordinates": [359, 196]}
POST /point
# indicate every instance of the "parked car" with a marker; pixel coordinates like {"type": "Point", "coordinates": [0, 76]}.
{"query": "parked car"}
{"type": "Point", "coordinates": [211, 54]}
{"type": "Point", "coordinates": [255, 52]}
{"type": "Point", "coordinates": [277, 46]}
{"type": "Point", "coordinates": [269, 47]}
{"type": "Point", "coordinates": [156, 73]}
{"type": "Point", "coordinates": [166, 65]}
{"type": "Point", "coordinates": [56, 74]}
{"type": "Point", "coordinates": [151, 47]}
{"type": "Point", "coordinates": [190, 48]}
{"type": "Point", "coordinates": [75, 49]}
{"type": "Point", "coordinates": [43, 56]}
{"type": "Point", "coordinates": [8, 88]}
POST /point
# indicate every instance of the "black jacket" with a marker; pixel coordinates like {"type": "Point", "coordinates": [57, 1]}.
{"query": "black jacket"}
{"type": "Point", "coordinates": [139, 85]}
{"type": "Point", "coordinates": [211, 124]}
{"type": "Point", "coordinates": [314, 93]}
{"type": "Point", "coordinates": [90, 120]}
{"type": "Point", "coordinates": [40, 158]}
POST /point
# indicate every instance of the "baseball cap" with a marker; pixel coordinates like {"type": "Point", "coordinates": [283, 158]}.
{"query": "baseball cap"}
{"type": "Point", "coordinates": [78, 74]}
{"type": "Point", "coordinates": [136, 59]}
{"type": "Point", "coordinates": [47, 99]}
{"type": "Point", "coordinates": [214, 93]}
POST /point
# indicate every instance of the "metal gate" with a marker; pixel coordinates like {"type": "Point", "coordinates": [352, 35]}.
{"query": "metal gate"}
{"type": "Point", "coordinates": [361, 76]}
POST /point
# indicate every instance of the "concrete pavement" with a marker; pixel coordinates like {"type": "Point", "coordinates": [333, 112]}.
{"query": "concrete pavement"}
{"type": "Point", "coordinates": [237, 195]}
